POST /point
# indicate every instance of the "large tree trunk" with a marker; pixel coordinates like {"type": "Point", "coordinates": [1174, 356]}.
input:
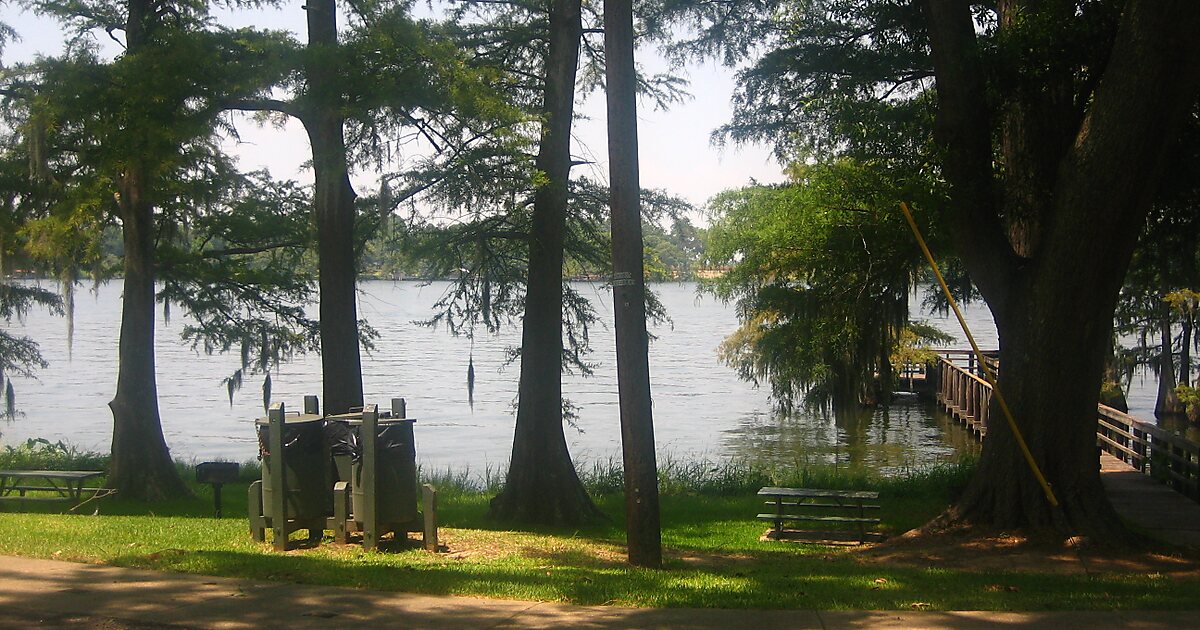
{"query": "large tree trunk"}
{"type": "Point", "coordinates": [141, 466]}
{"type": "Point", "coordinates": [1052, 279]}
{"type": "Point", "coordinates": [1003, 493]}
{"type": "Point", "coordinates": [642, 527]}
{"type": "Point", "coordinates": [341, 361]}
{"type": "Point", "coordinates": [542, 485]}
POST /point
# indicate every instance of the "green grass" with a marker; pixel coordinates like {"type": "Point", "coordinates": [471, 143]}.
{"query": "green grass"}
{"type": "Point", "coordinates": [713, 555]}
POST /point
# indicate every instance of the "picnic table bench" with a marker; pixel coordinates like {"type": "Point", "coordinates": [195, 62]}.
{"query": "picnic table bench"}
{"type": "Point", "coordinates": [846, 508]}
{"type": "Point", "coordinates": [52, 485]}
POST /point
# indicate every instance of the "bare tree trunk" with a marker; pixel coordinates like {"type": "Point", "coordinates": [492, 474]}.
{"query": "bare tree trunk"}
{"type": "Point", "coordinates": [1185, 351]}
{"type": "Point", "coordinates": [542, 485]}
{"type": "Point", "coordinates": [341, 361]}
{"type": "Point", "coordinates": [643, 531]}
{"type": "Point", "coordinates": [1167, 403]}
{"type": "Point", "coordinates": [1003, 493]}
{"type": "Point", "coordinates": [141, 466]}
{"type": "Point", "coordinates": [1111, 392]}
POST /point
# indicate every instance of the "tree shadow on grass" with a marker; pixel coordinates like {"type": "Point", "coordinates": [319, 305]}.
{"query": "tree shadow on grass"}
{"type": "Point", "coordinates": [787, 582]}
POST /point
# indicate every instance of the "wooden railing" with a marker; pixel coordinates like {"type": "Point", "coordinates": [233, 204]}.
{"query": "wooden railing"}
{"type": "Point", "coordinates": [963, 393]}
{"type": "Point", "coordinates": [1151, 449]}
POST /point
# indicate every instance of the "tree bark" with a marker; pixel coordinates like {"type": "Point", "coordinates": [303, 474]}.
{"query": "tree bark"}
{"type": "Point", "coordinates": [1167, 403]}
{"type": "Point", "coordinates": [1185, 351]}
{"type": "Point", "coordinates": [642, 527]}
{"type": "Point", "coordinates": [542, 485]}
{"type": "Point", "coordinates": [341, 360]}
{"type": "Point", "coordinates": [141, 466]}
{"type": "Point", "coordinates": [1053, 290]}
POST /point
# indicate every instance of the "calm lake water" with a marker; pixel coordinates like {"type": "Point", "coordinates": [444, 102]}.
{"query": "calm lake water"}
{"type": "Point", "coordinates": [701, 408]}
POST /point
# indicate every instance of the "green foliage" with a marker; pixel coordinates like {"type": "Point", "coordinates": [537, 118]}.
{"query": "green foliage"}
{"type": "Point", "coordinates": [819, 77]}
{"type": "Point", "coordinates": [675, 253]}
{"type": "Point", "coordinates": [42, 454]}
{"type": "Point", "coordinates": [821, 270]}
{"type": "Point", "coordinates": [228, 246]}
{"type": "Point", "coordinates": [912, 345]}
{"type": "Point", "coordinates": [238, 269]}
{"type": "Point", "coordinates": [1189, 397]}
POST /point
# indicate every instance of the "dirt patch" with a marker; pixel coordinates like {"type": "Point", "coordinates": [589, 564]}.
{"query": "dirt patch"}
{"type": "Point", "coordinates": [710, 560]}
{"type": "Point", "coordinates": [965, 548]}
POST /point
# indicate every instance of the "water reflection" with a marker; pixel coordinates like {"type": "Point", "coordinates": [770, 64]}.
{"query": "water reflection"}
{"type": "Point", "coordinates": [910, 434]}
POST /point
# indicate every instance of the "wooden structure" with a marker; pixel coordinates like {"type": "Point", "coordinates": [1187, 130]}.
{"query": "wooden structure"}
{"type": "Point", "coordinates": [845, 510]}
{"type": "Point", "coordinates": [292, 494]}
{"type": "Point", "coordinates": [1151, 449]}
{"type": "Point", "coordinates": [55, 486]}
{"type": "Point", "coordinates": [375, 495]}
{"type": "Point", "coordinates": [381, 496]}
{"type": "Point", "coordinates": [1144, 446]}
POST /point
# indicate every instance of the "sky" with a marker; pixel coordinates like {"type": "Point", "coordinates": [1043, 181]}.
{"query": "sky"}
{"type": "Point", "coordinates": [675, 151]}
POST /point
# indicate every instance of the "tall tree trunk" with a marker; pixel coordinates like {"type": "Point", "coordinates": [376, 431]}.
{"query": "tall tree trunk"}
{"type": "Point", "coordinates": [1185, 350]}
{"type": "Point", "coordinates": [1111, 392]}
{"type": "Point", "coordinates": [1187, 328]}
{"type": "Point", "coordinates": [141, 466]}
{"type": "Point", "coordinates": [1003, 493]}
{"type": "Point", "coordinates": [341, 361]}
{"type": "Point", "coordinates": [1167, 403]}
{"type": "Point", "coordinates": [642, 528]}
{"type": "Point", "coordinates": [1053, 285]}
{"type": "Point", "coordinates": [542, 485]}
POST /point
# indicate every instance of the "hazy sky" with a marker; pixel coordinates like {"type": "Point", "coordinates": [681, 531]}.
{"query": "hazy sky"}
{"type": "Point", "coordinates": [675, 151]}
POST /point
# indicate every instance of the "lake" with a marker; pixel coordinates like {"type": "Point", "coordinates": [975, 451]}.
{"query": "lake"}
{"type": "Point", "coordinates": [701, 408]}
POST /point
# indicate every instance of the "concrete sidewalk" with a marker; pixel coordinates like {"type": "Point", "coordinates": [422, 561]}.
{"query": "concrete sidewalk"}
{"type": "Point", "coordinates": [51, 594]}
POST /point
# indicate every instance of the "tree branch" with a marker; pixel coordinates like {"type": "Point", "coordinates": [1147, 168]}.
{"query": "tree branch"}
{"type": "Point", "coordinates": [237, 251]}
{"type": "Point", "coordinates": [964, 133]}
{"type": "Point", "coordinates": [265, 105]}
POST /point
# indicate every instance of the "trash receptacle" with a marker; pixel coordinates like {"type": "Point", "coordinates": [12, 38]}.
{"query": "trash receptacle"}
{"type": "Point", "coordinates": [395, 485]}
{"type": "Point", "coordinates": [309, 493]}
{"type": "Point", "coordinates": [343, 445]}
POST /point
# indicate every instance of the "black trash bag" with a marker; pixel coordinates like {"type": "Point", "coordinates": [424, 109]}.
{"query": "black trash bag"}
{"type": "Point", "coordinates": [342, 438]}
{"type": "Point", "coordinates": [396, 437]}
{"type": "Point", "coordinates": [298, 438]}
{"type": "Point", "coordinates": [395, 473]}
{"type": "Point", "coordinates": [309, 489]}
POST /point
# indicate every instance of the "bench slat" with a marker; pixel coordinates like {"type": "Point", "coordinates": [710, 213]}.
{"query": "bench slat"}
{"type": "Point", "coordinates": [845, 506]}
{"type": "Point", "coordinates": [817, 493]}
{"type": "Point", "coordinates": [826, 519]}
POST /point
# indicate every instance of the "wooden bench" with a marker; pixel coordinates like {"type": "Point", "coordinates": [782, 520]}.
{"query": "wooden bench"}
{"type": "Point", "coordinates": [846, 510]}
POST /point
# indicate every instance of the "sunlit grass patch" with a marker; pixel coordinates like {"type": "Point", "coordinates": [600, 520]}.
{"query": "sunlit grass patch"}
{"type": "Point", "coordinates": [712, 553]}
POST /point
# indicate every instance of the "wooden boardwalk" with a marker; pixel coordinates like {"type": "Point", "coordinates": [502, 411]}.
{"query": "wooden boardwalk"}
{"type": "Point", "coordinates": [1168, 512]}
{"type": "Point", "coordinates": [1150, 505]}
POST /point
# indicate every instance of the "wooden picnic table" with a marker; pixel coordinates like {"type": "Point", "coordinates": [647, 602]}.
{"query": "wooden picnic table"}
{"type": "Point", "coordinates": [826, 507]}
{"type": "Point", "coordinates": [66, 485]}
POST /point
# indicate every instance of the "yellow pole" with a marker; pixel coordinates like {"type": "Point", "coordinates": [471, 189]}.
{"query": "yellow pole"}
{"type": "Point", "coordinates": [987, 370]}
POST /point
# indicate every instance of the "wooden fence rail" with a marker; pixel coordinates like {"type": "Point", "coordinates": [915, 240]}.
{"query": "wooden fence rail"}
{"type": "Point", "coordinates": [1171, 458]}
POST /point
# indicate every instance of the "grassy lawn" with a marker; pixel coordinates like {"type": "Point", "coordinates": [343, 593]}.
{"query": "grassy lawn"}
{"type": "Point", "coordinates": [713, 556]}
